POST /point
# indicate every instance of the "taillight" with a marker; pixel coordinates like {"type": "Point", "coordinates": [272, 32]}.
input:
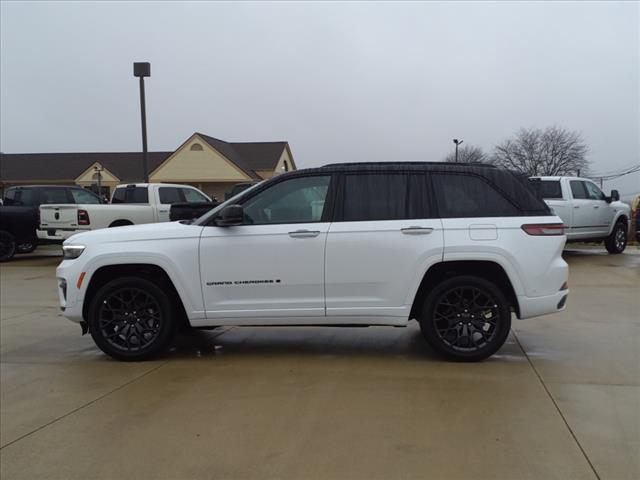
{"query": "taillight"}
{"type": "Point", "coordinates": [83, 217]}
{"type": "Point", "coordinates": [544, 228]}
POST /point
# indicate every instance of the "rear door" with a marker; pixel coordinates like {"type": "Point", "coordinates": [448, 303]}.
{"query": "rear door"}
{"type": "Point", "coordinates": [167, 196]}
{"type": "Point", "coordinates": [380, 243]}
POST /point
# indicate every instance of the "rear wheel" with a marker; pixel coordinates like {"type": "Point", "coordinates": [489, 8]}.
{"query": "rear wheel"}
{"type": "Point", "coordinates": [28, 246]}
{"type": "Point", "coordinates": [617, 241]}
{"type": "Point", "coordinates": [131, 319]}
{"type": "Point", "coordinates": [466, 319]}
{"type": "Point", "coordinates": [7, 246]}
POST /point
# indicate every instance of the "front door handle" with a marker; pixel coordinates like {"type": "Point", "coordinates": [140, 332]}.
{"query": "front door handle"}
{"type": "Point", "coordinates": [304, 233]}
{"type": "Point", "coordinates": [596, 206]}
{"type": "Point", "coordinates": [416, 230]}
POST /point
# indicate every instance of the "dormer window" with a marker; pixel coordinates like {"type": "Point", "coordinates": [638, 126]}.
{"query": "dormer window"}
{"type": "Point", "coordinates": [196, 147]}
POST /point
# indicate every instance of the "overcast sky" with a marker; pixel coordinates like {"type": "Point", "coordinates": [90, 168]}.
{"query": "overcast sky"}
{"type": "Point", "coordinates": [339, 81]}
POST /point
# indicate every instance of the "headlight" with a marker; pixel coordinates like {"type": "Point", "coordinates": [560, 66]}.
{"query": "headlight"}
{"type": "Point", "coordinates": [72, 251]}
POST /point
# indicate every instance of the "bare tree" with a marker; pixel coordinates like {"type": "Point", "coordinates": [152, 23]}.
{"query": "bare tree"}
{"type": "Point", "coordinates": [552, 151]}
{"type": "Point", "coordinates": [468, 154]}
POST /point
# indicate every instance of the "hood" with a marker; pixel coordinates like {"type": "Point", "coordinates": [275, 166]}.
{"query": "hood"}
{"type": "Point", "coordinates": [133, 233]}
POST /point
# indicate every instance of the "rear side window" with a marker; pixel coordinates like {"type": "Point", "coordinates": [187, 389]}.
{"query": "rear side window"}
{"type": "Point", "coordinates": [130, 195]}
{"type": "Point", "coordinates": [380, 196]}
{"type": "Point", "coordinates": [53, 195]}
{"type": "Point", "coordinates": [578, 190]}
{"type": "Point", "coordinates": [548, 188]}
{"type": "Point", "coordinates": [170, 195]}
{"type": "Point", "coordinates": [463, 196]}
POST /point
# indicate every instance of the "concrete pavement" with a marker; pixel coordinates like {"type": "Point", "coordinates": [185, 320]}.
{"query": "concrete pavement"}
{"type": "Point", "coordinates": [561, 400]}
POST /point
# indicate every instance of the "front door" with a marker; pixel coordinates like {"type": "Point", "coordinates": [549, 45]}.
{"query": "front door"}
{"type": "Point", "coordinates": [602, 210]}
{"type": "Point", "coordinates": [585, 218]}
{"type": "Point", "coordinates": [271, 268]}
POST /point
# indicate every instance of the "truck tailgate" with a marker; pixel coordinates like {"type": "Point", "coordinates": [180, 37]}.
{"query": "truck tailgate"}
{"type": "Point", "coordinates": [58, 217]}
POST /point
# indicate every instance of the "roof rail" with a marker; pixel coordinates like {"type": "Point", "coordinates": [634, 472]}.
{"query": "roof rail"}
{"type": "Point", "coordinates": [350, 164]}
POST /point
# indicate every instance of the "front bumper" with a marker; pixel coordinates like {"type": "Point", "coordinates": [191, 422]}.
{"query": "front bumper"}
{"type": "Point", "coordinates": [537, 306]}
{"type": "Point", "coordinates": [70, 293]}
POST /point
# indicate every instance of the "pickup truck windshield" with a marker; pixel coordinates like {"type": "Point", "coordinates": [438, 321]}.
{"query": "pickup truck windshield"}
{"type": "Point", "coordinates": [547, 188]}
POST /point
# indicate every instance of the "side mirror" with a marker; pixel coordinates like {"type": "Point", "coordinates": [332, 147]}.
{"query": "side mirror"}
{"type": "Point", "coordinates": [230, 215]}
{"type": "Point", "coordinates": [615, 196]}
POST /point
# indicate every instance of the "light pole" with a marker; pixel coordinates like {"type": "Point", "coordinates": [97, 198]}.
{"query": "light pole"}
{"type": "Point", "coordinates": [141, 70]}
{"type": "Point", "coordinates": [457, 142]}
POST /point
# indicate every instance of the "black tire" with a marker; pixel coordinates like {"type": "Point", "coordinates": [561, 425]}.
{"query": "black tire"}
{"type": "Point", "coordinates": [120, 223]}
{"type": "Point", "coordinates": [27, 247]}
{"type": "Point", "coordinates": [469, 308]}
{"type": "Point", "coordinates": [7, 246]}
{"type": "Point", "coordinates": [115, 319]}
{"type": "Point", "coordinates": [617, 241]}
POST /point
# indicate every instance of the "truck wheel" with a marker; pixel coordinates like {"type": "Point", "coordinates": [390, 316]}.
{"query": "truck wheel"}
{"type": "Point", "coordinates": [131, 319]}
{"type": "Point", "coordinates": [27, 247]}
{"type": "Point", "coordinates": [466, 319]}
{"type": "Point", "coordinates": [617, 241]}
{"type": "Point", "coordinates": [7, 246]}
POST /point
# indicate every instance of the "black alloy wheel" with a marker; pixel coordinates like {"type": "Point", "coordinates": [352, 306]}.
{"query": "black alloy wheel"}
{"type": "Point", "coordinates": [617, 241]}
{"type": "Point", "coordinates": [131, 319]}
{"type": "Point", "coordinates": [466, 318]}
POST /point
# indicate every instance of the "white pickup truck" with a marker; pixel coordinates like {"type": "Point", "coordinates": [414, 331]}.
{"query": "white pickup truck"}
{"type": "Point", "coordinates": [130, 205]}
{"type": "Point", "coordinates": [587, 213]}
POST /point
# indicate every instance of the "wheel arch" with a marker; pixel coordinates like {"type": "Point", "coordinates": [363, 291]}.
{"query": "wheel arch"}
{"type": "Point", "coordinates": [121, 222]}
{"type": "Point", "coordinates": [148, 271]}
{"type": "Point", "coordinates": [487, 269]}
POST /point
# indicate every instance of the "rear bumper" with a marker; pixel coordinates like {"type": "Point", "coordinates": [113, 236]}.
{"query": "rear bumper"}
{"type": "Point", "coordinates": [537, 306]}
{"type": "Point", "coordinates": [56, 234]}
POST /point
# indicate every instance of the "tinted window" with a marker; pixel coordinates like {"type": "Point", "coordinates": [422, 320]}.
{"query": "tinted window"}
{"type": "Point", "coordinates": [53, 195]}
{"type": "Point", "coordinates": [578, 190]}
{"type": "Point", "coordinates": [169, 195]}
{"type": "Point", "coordinates": [193, 196]}
{"type": "Point", "coordinates": [460, 196]}
{"type": "Point", "coordinates": [83, 196]}
{"type": "Point", "coordinates": [9, 196]}
{"type": "Point", "coordinates": [593, 191]}
{"type": "Point", "coordinates": [130, 195]}
{"type": "Point", "coordinates": [298, 200]}
{"type": "Point", "coordinates": [380, 196]}
{"type": "Point", "coordinates": [547, 188]}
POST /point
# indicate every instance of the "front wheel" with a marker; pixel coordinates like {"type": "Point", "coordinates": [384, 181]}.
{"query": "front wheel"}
{"type": "Point", "coordinates": [466, 319]}
{"type": "Point", "coordinates": [131, 319]}
{"type": "Point", "coordinates": [617, 241]}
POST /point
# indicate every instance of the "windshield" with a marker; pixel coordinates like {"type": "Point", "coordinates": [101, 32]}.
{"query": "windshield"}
{"type": "Point", "coordinates": [204, 219]}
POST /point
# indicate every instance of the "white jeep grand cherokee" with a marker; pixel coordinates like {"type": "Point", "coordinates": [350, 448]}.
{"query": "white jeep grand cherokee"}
{"type": "Point", "coordinates": [456, 247]}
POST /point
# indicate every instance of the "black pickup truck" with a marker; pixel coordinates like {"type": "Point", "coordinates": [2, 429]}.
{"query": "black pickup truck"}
{"type": "Point", "coordinates": [19, 214]}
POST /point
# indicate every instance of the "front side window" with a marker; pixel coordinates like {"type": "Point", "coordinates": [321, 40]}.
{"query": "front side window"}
{"type": "Point", "coordinates": [9, 196]}
{"type": "Point", "coordinates": [383, 196]}
{"type": "Point", "coordinates": [578, 190]}
{"type": "Point", "coordinates": [463, 196]}
{"type": "Point", "coordinates": [130, 195]}
{"type": "Point", "coordinates": [169, 195]}
{"type": "Point", "coordinates": [593, 191]}
{"type": "Point", "coordinates": [53, 195]}
{"type": "Point", "coordinates": [193, 196]}
{"type": "Point", "coordinates": [298, 200]}
{"type": "Point", "coordinates": [83, 196]}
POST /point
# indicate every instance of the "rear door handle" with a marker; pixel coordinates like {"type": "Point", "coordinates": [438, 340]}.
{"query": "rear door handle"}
{"type": "Point", "coordinates": [304, 233]}
{"type": "Point", "coordinates": [596, 206]}
{"type": "Point", "coordinates": [416, 230]}
{"type": "Point", "coordinates": [576, 206]}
